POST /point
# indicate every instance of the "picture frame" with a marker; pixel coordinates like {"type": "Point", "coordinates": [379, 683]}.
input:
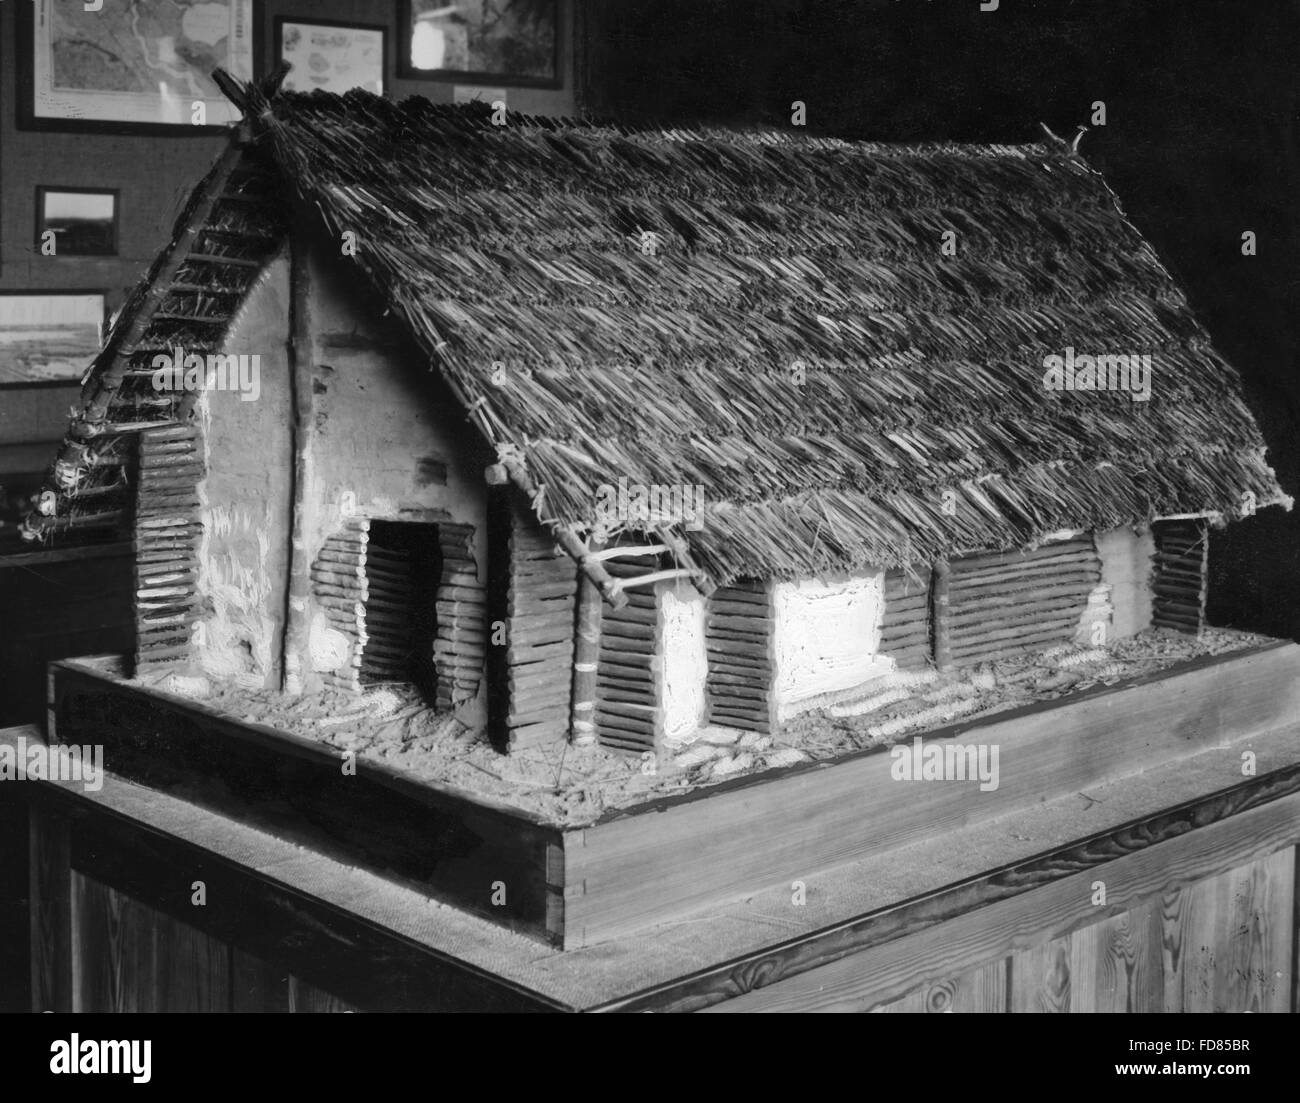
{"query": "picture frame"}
{"type": "Point", "coordinates": [120, 91]}
{"type": "Point", "coordinates": [50, 336]}
{"type": "Point", "coordinates": [332, 56]}
{"type": "Point", "coordinates": [84, 220]}
{"type": "Point", "coordinates": [504, 42]}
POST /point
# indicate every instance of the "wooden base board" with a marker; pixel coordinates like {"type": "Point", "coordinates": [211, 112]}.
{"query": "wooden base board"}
{"type": "Point", "coordinates": [644, 866]}
{"type": "Point", "coordinates": [380, 946]}
{"type": "Point", "coordinates": [495, 861]}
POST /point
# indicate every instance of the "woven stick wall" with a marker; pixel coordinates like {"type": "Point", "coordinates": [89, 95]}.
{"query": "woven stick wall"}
{"type": "Point", "coordinates": [1005, 604]}
{"type": "Point", "coordinates": [340, 587]}
{"type": "Point", "coordinates": [167, 530]}
{"type": "Point", "coordinates": [628, 712]}
{"type": "Point", "coordinates": [387, 650]}
{"type": "Point", "coordinates": [1181, 575]}
{"type": "Point", "coordinates": [536, 585]}
{"type": "Point", "coordinates": [738, 637]}
{"type": "Point", "coordinates": [462, 618]}
{"type": "Point", "coordinates": [905, 627]}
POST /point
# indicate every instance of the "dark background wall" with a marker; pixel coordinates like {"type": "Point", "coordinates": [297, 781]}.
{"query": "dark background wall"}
{"type": "Point", "coordinates": [1202, 99]}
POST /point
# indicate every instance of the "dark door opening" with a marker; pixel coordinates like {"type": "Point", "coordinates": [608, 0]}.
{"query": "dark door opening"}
{"type": "Point", "coordinates": [403, 568]}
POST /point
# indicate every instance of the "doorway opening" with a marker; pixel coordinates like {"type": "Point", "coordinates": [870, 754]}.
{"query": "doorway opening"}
{"type": "Point", "coordinates": [403, 569]}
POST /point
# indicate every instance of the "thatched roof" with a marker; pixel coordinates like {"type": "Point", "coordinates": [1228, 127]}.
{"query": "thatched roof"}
{"type": "Point", "coordinates": [514, 254]}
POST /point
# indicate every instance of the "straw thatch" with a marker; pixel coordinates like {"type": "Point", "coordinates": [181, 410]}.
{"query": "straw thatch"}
{"type": "Point", "coordinates": [514, 255]}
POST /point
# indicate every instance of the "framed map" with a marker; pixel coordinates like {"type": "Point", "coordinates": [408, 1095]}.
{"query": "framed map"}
{"type": "Point", "coordinates": [131, 65]}
{"type": "Point", "coordinates": [49, 336]}
{"type": "Point", "coordinates": [334, 57]}
{"type": "Point", "coordinates": [513, 42]}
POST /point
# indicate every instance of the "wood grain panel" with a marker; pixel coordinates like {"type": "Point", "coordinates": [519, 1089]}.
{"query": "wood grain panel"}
{"type": "Point", "coordinates": [1113, 965]}
{"type": "Point", "coordinates": [982, 991]}
{"type": "Point", "coordinates": [304, 999]}
{"type": "Point", "coordinates": [1116, 964]}
{"type": "Point", "coordinates": [1230, 940]}
{"type": "Point", "coordinates": [116, 951]}
{"type": "Point", "coordinates": [15, 918]}
{"type": "Point", "coordinates": [51, 910]}
{"type": "Point", "coordinates": [973, 938]}
{"type": "Point", "coordinates": [130, 957]}
{"type": "Point", "coordinates": [1040, 978]}
{"type": "Point", "coordinates": [192, 970]}
{"type": "Point", "coordinates": [257, 985]}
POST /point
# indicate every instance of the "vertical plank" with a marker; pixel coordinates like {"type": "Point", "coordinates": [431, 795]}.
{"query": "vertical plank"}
{"type": "Point", "coordinates": [192, 969]}
{"type": "Point", "coordinates": [51, 910]}
{"type": "Point", "coordinates": [1295, 930]}
{"type": "Point", "coordinates": [304, 999]}
{"type": "Point", "coordinates": [115, 956]}
{"type": "Point", "coordinates": [1174, 908]}
{"type": "Point", "coordinates": [1229, 940]}
{"type": "Point", "coordinates": [130, 957]}
{"type": "Point", "coordinates": [980, 990]}
{"type": "Point", "coordinates": [15, 921]}
{"type": "Point", "coordinates": [256, 985]}
{"type": "Point", "coordinates": [1116, 964]}
{"type": "Point", "coordinates": [1256, 943]}
{"type": "Point", "coordinates": [1040, 978]}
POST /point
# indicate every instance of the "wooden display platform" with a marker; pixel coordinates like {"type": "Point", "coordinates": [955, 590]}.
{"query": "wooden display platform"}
{"type": "Point", "coordinates": [638, 868]}
{"type": "Point", "coordinates": [1199, 914]}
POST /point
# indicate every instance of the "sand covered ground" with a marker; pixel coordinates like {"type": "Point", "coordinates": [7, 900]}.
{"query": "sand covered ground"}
{"type": "Point", "coordinates": [573, 786]}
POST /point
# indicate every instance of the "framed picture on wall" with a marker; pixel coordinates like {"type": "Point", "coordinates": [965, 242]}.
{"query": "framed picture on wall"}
{"type": "Point", "coordinates": [334, 57]}
{"type": "Point", "coordinates": [131, 65]}
{"type": "Point", "coordinates": [511, 42]}
{"type": "Point", "coordinates": [76, 222]}
{"type": "Point", "coordinates": [49, 336]}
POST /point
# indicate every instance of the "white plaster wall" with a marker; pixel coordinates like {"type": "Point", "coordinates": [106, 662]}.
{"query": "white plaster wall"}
{"type": "Point", "coordinates": [245, 496]}
{"type": "Point", "coordinates": [1126, 565]}
{"type": "Point", "coordinates": [827, 635]}
{"type": "Point", "coordinates": [684, 653]}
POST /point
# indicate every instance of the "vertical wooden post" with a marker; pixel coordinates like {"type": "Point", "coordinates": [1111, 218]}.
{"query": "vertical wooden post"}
{"type": "Point", "coordinates": [50, 889]}
{"type": "Point", "coordinates": [586, 659]}
{"type": "Point", "coordinates": [15, 908]}
{"type": "Point", "coordinates": [301, 356]}
{"type": "Point", "coordinates": [941, 577]}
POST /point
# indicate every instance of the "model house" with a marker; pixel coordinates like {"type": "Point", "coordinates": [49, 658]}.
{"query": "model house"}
{"type": "Point", "coordinates": [595, 433]}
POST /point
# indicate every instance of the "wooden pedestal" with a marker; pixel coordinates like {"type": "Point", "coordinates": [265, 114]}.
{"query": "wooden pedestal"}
{"type": "Point", "coordinates": [1168, 891]}
{"type": "Point", "coordinates": [639, 868]}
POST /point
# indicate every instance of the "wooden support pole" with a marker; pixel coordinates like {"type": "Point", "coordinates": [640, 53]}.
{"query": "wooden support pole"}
{"type": "Point", "coordinates": [940, 580]}
{"type": "Point", "coordinates": [622, 584]}
{"type": "Point", "coordinates": [682, 553]}
{"type": "Point", "coordinates": [301, 357]}
{"type": "Point", "coordinates": [586, 661]}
